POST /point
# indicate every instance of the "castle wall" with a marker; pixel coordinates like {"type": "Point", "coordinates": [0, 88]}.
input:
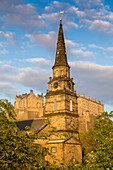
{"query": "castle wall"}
{"type": "Point", "coordinates": [86, 121]}
{"type": "Point", "coordinates": [29, 106]}
{"type": "Point", "coordinates": [87, 104]}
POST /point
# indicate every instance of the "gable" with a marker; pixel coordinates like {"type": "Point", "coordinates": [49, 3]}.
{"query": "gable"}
{"type": "Point", "coordinates": [72, 140]}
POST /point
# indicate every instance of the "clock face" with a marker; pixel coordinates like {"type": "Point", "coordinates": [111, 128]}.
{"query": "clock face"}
{"type": "Point", "coordinates": [69, 85]}
{"type": "Point", "coordinates": [55, 85]}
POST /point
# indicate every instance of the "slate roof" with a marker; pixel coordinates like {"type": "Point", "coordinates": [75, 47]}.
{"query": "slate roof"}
{"type": "Point", "coordinates": [36, 124]}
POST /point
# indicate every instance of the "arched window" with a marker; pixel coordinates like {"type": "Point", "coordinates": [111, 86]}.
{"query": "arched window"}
{"type": "Point", "coordinates": [71, 109]}
{"type": "Point", "coordinates": [62, 72]}
{"type": "Point", "coordinates": [55, 105]}
{"type": "Point", "coordinates": [67, 73]}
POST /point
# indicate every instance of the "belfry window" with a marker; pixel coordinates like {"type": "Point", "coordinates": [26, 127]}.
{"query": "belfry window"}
{"type": "Point", "coordinates": [67, 73]}
{"type": "Point", "coordinates": [56, 73]}
{"type": "Point", "coordinates": [71, 109]}
{"type": "Point", "coordinates": [55, 105]}
{"type": "Point", "coordinates": [62, 72]}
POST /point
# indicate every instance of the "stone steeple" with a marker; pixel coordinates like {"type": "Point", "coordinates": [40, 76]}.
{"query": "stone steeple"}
{"type": "Point", "coordinates": [61, 107]}
{"type": "Point", "coordinates": [61, 97]}
{"type": "Point", "coordinates": [61, 56]}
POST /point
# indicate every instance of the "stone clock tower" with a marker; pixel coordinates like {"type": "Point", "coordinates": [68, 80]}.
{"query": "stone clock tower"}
{"type": "Point", "coordinates": [61, 105]}
{"type": "Point", "coordinates": [61, 97]}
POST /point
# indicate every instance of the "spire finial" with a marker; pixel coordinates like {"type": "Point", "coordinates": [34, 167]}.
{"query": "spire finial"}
{"type": "Point", "coordinates": [61, 12]}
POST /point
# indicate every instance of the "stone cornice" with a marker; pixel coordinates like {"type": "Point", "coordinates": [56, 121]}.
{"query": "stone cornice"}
{"type": "Point", "coordinates": [61, 113]}
{"type": "Point", "coordinates": [65, 91]}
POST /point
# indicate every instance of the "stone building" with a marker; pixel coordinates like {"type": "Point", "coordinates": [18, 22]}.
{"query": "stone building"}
{"type": "Point", "coordinates": [88, 109]}
{"type": "Point", "coordinates": [64, 113]}
{"type": "Point", "coordinates": [87, 104]}
{"type": "Point", "coordinates": [29, 106]}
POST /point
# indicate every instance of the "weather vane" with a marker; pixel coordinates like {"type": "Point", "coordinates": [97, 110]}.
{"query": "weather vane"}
{"type": "Point", "coordinates": [61, 12]}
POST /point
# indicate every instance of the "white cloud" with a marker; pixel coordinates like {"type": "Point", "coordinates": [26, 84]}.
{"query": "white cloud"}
{"type": "Point", "coordinates": [94, 80]}
{"type": "Point", "coordinates": [24, 21]}
{"type": "Point", "coordinates": [3, 52]}
{"type": "Point", "coordinates": [110, 16]}
{"type": "Point", "coordinates": [91, 66]}
{"type": "Point", "coordinates": [27, 77]}
{"type": "Point", "coordinates": [99, 25]}
{"type": "Point", "coordinates": [33, 78]}
{"type": "Point", "coordinates": [110, 48]}
{"type": "Point", "coordinates": [8, 90]}
{"type": "Point", "coordinates": [81, 53]}
{"type": "Point", "coordinates": [96, 46]}
{"type": "Point", "coordinates": [81, 13]}
{"type": "Point", "coordinates": [100, 19]}
{"type": "Point", "coordinates": [60, 5]}
{"type": "Point", "coordinates": [41, 61]}
{"type": "Point", "coordinates": [72, 24]}
{"type": "Point", "coordinates": [20, 14]}
{"type": "Point", "coordinates": [89, 3]}
{"type": "Point", "coordinates": [47, 7]}
{"type": "Point", "coordinates": [6, 68]}
{"type": "Point", "coordinates": [3, 44]}
{"type": "Point", "coordinates": [6, 35]}
{"type": "Point", "coordinates": [71, 43]}
{"type": "Point", "coordinates": [47, 40]}
{"type": "Point", "coordinates": [27, 9]}
{"type": "Point", "coordinates": [73, 9]}
{"type": "Point", "coordinates": [50, 16]}
{"type": "Point", "coordinates": [10, 36]}
{"type": "Point", "coordinates": [57, 3]}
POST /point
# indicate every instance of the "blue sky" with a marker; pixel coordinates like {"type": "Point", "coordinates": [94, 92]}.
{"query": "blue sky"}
{"type": "Point", "coordinates": [28, 37]}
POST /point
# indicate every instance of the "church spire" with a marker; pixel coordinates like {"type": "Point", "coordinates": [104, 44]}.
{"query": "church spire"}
{"type": "Point", "coordinates": [61, 56]}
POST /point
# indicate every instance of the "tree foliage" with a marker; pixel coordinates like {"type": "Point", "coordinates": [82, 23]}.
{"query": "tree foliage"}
{"type": "Point", "coordinates": [18, 152]}
{"type": "Point", "coordinates": [98, 143]}
{"type": "Point", "coordinates": [16, 149]}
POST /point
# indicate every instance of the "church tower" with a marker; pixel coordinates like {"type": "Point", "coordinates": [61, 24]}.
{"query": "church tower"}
{"type": "Point", "coordinates": [61, 107]}
{"type": "Point", "coordinates": [61, 97]}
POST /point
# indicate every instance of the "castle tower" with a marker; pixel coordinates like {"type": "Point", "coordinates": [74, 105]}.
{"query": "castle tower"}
{"type": "Point", "coordinates": [61, 108]}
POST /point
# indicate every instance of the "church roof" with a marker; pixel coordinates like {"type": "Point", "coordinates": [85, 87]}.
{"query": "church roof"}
{"type": "Point", "coordinates": [34, 124]}
{"type": "Point", "coordinates": [61, 56]}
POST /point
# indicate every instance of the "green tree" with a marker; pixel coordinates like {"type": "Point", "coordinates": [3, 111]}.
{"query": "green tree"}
{"type": "Point", "coordinates": [18, 152]}
{"type": "Point", "coordinates": [16, 149]}
{"type": "Point", "coordinates": [97, 143]}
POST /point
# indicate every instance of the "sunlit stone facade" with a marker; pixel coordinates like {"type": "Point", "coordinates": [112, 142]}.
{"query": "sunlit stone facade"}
{"type": "Point", "coordinates": [29, 106]}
